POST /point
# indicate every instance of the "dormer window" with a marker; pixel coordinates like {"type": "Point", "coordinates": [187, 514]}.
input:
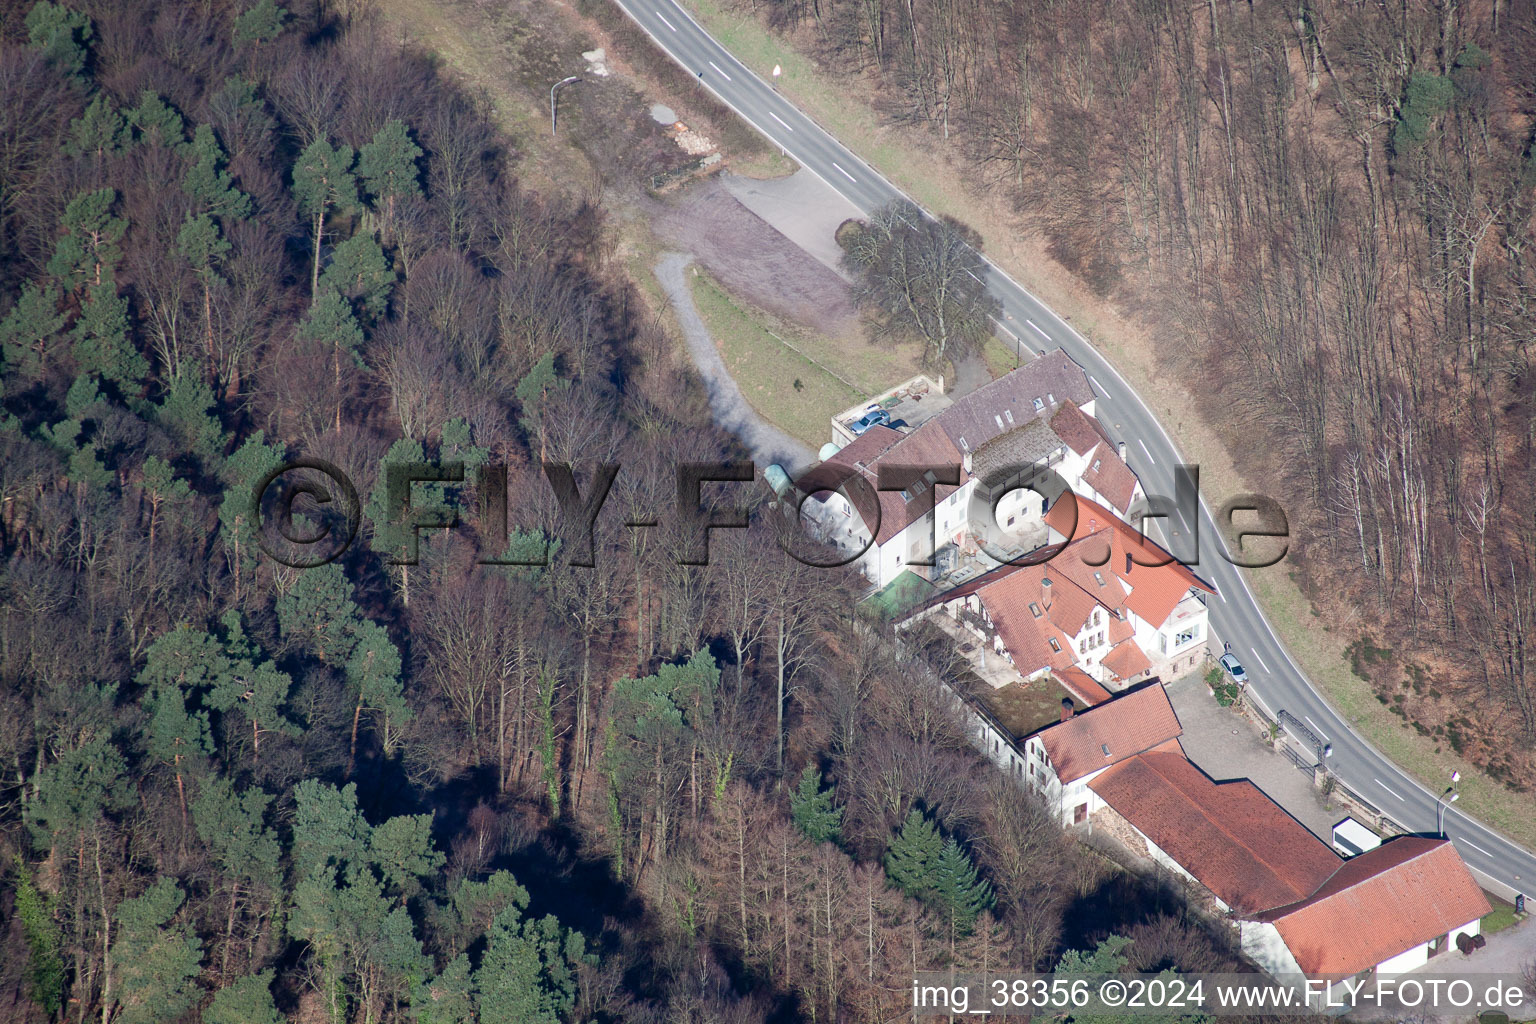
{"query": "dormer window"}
{"type": "Point", "coordinates": [1039, 404]}
{"type": "Point", "coordinates": [963, 446]}
{"type": "Point", "coordinates": [1104, 747]}
{"type": "Point", "coordinates": [1096, 464]}
{"type": "Point", "coordinates": [1034, 609]}
{"type": "Point", "coordinates": [1009, 414]}
{"type": "Point", "coordinates": [999, 421]}
{"type": "Point", "coordinates": [1098, 578]}
{"type": "Point", "coordinates": [1055, 646]}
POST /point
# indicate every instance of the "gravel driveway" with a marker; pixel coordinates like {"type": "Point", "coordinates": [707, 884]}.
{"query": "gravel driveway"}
{"type": "Point", "coordinates": [767, 443]}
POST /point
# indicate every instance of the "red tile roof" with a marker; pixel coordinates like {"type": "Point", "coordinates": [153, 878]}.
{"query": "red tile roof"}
{"type": "Point", "coordinates": [1106, 472]}
{"type": "Point", "coordinates": [1156, 582]}
{"type": "Point", "coordinates": [1133, 723]}
{"type": "Point", "coordinates": [1384, 902]}
{"type": "Point", "coordinates": [1110, 476]}
{"type": "Point", "coordinates": [1126, 661]}
{"type": "Point", "coordinates": [1236, 841]}
{"type": "Point", "coordinates": [1082, 686]}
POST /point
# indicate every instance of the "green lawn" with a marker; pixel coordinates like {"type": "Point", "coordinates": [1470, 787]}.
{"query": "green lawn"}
{"type": "Point", "coordinates": [1500, 917]}
{"type": "Point", "coordinates": [785, 387]}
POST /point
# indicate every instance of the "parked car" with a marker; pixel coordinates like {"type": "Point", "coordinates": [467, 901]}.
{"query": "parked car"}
{"type": "Point", "coordinates": [1234, 668]}
{"type": "Point", "coordinates": [875, 417]}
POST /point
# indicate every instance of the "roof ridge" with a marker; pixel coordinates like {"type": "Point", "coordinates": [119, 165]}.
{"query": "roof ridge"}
{"type": "Point", "coordinates": [1221, 824]}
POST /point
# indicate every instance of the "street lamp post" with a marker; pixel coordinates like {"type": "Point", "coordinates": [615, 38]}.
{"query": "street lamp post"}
{"type": "Point", "coordinates": [554, 89]}
{"type": "Point", "coordinates": [1440, 805]}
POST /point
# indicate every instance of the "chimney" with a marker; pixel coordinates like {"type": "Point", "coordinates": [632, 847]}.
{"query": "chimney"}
{"type": "Point", "coordinates": [1045, 592]}
{"type": "Point", "coordinates": [1066, 708]}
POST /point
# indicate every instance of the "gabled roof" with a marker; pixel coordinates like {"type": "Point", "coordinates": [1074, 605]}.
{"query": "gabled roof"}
{"type": "Point", "coordinates": [1236, 841]}
{"type": "Point", "coordinates": [926, 447]}
{"type": "Point", "coordinates": [1081, 432]}
{"type": "Point", "coordinates": [1126, 661]}
{"type": "Point", "coordinates": [1108, 474]}
{"type": "Point", "coordinates": [1082, 686]}
{"type": "Point", "coordinates": [1133, 723]}
{"type": "Point", "coordinates": [1384, 902]}
{"type": "Point", "coordinates": [1025, 617]}
{"type": "Point", "coordinates": [1155, 581]}
{"type": "Point", "coordinates": [1009, 401]}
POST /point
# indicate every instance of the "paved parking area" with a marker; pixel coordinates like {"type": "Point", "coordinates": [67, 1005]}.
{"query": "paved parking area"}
{"type": "Point", "coordinates": [1228, 746]}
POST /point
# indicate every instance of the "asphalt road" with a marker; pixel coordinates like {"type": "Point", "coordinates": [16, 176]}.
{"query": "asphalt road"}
{"type": "Point", "coordinates": [1030, 325]}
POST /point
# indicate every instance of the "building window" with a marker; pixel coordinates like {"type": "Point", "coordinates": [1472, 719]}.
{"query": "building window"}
{"type": "Point", "coordinates": [1080, 814]}
{"type": "Point", "coordinates": [1162, 643]}
{"type": "Point", "coordinates": [1082, 647]}
{"type": "Point", "coordinates": [1011, 519]}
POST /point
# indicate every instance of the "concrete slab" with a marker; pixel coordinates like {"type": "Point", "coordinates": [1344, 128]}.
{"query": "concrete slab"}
{"type": "Point", "coordinates": [805, 209]}
{"type": "Point", "coordinates": [1227, 746]}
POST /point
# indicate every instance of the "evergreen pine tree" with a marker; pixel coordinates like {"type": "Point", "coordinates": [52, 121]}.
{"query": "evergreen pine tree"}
{"type": "Point", "coordinates": [449, 998]}
{"type": "Point", "coordinates": [101, 344]}
{"type": "Point", "coordinates": [262, 22]}
{"type": "Point", "coordinates": [241, 472]}
{"type": "Point", "coordinates": [387, 166]}
{"type": "Point", "coordinates": [98, 133]}
{"type": "Point", "coordinates": [528, 973]}
{"type": "Point", "coordinates": [233, 826]}
{"type": "Point", "coordinates": [811, 809]}
{"type": "Point", "coordinates": [957, 891]}
{"type": "Point", "coordinates": [26, 331]}
{"type": "Point", "coordinates": [322, 179]}
{"type": "Point", "coordinates": [186, 413]}
{"type": "Point", "coordinates": [208, 183]}
{"type": "Point", "coordinates": [177, 737]}
{"type": "Point", "coordinates": [157, 123]}
{"type": "Point", "coordinates": [330, 323]}
{"type": "Point", "coordinates": [359, 271]}
{"type": "Point", "coordinates": [246, 1000]}
{"type": "Point", "coordinates": [912, 858]}
{"type": "Point", "coordinates": [61, 35]}
{"type": "Point", "coordinates": [156, 960]}
{"type": "Point", "coordinates": [89, 250]}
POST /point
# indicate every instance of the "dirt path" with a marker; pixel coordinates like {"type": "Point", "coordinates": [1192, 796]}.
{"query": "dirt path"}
{"type": "Point", "coordinates": [767, 443]}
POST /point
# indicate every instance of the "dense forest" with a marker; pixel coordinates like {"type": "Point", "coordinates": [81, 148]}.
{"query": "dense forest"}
{"type": "Point", "coordinates": [234, 234]}
{"type": "Point", "coordinates": [1323, 209]}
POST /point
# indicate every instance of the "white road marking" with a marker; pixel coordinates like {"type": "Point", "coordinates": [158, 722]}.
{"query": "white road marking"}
{"type": "Point", "coordinates": [1260, 660]}
{"type": "Point", "coordinates": [665, 22]}
{"type": "Point", "coordinates": [779, 119]}
{"type": "Point", "coordinates": [1474, 846]}
{"type": "Point", "coordinates": [1144, 449]}
{"type": "Point", "coordinates": [722, 73]}
{"type": "Point", "coordinates": [1388, 788]}
{"type": "Point", "coordinates": [1317, 727]}
{"type": "Point", "coordinates": [844, 173]}
{"type": "Point", "coordinates": [1101, 387]}
{"type": "Point", "coordinates": [1036, 326]}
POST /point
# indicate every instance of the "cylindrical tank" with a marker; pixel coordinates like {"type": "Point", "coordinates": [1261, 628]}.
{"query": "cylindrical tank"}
{"type": "Point", "coordinates": [777, 479]}
{"type": "Point", "coordinates": [827, 451]}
